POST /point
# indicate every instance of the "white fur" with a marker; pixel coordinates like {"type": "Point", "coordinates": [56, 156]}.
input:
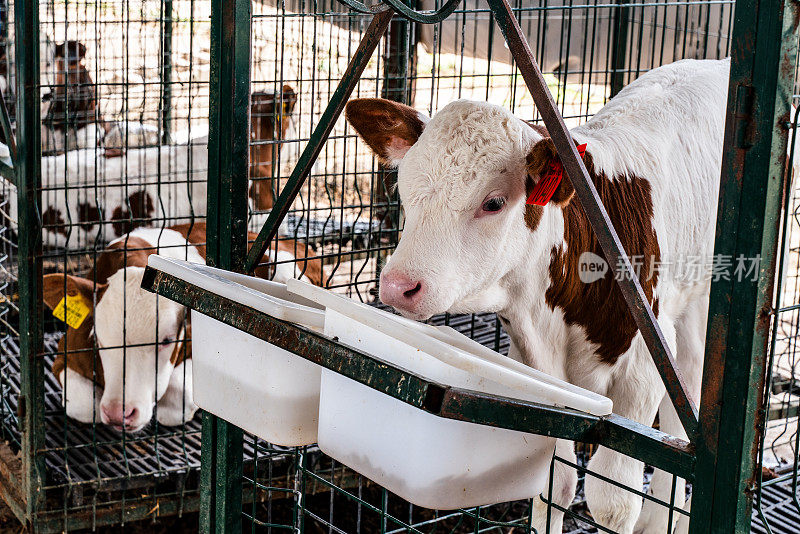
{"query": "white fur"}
{"type": "Point", "coordinates": [667, 127]}
{"type": "Point", "coordinates": [173, 176]}
{"type": "Point", "coordinates": [130, 324]}
{"type": "Point", "coordinates": [80, 396]}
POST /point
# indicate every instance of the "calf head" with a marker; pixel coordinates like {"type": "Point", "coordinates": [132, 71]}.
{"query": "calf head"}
{"type": "Point", "coordinates": [269, 121]}
{"type": "Point", "coordinates": [138, 336]}
{"type": "Point", "coordinates": [462, 178]}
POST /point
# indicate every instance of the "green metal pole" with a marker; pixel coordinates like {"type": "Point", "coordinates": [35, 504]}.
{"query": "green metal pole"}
{"type": "Point", "coordinates": [619, 52]}
{"type": "Point", "coordinates": [31, 401]}
{"type": "Point", "coordinates": [167, 24]}
{"type": "Point", "coordinates": [761, 80]}
{"type": "Point", "coordinates": [221, 475]}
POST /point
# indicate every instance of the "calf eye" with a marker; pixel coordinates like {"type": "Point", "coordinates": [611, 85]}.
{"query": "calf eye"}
{"type": "Point", "coordinates": [166, 341]}
{"type": "Point", "coordinates": [493, 204]}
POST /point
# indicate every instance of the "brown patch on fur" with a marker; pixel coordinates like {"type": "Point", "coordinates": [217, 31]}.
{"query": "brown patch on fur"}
{"type": "Point", "coordinates": [311, 268]}
{"type": "Point", "coordinates": [129, 252]}
{"type": "Point", "coordinates": [599, 307]}
{"type": "Point", "coordinates": [76, 351]}
{"type": "Point", "coordinates": [141, 211]}
{"type": "Point", "coordinates": [54, 222]}
{"type": "Point", "coordinates": [383, 124]}
{"type": "Point", "coordinates": [195, 233]}
{"type": "Point", "coordinates": [269, 121]}
{"type": "Point", "coordinates": [533, 213]}
{"type": "Point", "coordinates": [183, 351]}
{"type": "Point", "coordinates": [88, 216]}
{"type": "Point", "coordinates": [76, 348]}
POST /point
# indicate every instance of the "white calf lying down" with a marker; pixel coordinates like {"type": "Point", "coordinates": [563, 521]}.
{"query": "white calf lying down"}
{"type": "Point", "coordinates": [90, 199]}
{"type": "Point", "coordinates": [144, 360]}
{"type": "Point", "coordinates": [471, 244]}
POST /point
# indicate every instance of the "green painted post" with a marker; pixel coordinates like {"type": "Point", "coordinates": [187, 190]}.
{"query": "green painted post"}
{"type": "Point", "coordinates": [221, 498]}
{"type": "Point", "coordinates": [619, 52]}
{"type": "Point", "coordinates": [761, 80]}
{"type": "Point", "coordinates": [31, 401]}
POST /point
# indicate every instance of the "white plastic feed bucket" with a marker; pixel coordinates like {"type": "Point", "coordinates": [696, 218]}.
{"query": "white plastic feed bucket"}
{"type": "Point", "coordinates": [257, 386]}
{"type": "Point", "coordinates": [428, 460]}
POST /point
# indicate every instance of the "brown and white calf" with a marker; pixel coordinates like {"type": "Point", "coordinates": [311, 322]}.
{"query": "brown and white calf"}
{"type": "Point", "coordinates": [471, 244]}
{"type": "Point", "coordinates": [91, 197]}
{"type": "Point", "coordinates": [141, 340]}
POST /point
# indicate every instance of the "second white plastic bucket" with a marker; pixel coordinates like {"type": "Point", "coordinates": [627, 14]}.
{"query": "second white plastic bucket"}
{"type": "Point", "coordinates": [428, 460]}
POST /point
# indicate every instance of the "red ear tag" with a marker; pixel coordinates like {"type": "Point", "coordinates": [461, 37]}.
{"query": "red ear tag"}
{"type": "Point", "coordinates": [546, 187]}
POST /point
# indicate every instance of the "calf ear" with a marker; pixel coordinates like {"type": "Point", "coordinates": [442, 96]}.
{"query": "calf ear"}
{"type": "Point", "coordinates": [542, 157]}
{"type": "Point", "coordinates": [389, 128]}
{"type": "Point", "coordinates": [55, 286]}
{"type": "Point", "coordinates": [289, 99]}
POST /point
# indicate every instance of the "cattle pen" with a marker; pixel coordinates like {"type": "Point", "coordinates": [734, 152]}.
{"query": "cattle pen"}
{"type": "Point", "coordinates": [151, 114]}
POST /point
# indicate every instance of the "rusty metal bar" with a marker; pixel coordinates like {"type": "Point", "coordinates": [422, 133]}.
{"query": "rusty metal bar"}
{"type": "Point", "coordinates": [601, 224]}
{"type": "Point", "coordinates": [763, 63]}
{"type": "Point", "coordinates": [369, 42]}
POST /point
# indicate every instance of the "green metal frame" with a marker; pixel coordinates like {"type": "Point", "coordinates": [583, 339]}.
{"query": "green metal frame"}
{"type": "Point", "coordinates": [721, 455]}
{"type": "Point", "coordinates": [228, 175]}
{"type": "Point", "coordinates": [31, 401]}
{"type": "Point", "coordinates": [764, 54]}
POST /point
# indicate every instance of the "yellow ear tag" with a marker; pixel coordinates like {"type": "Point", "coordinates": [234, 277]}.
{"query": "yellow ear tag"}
{"type": "Point", "coordinates": [72, 310]}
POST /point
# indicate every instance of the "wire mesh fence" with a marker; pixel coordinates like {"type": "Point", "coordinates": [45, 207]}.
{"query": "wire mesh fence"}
{"type": "Point", "coordinates": [777, 504]}
{"type": "Point", "coordinates": [124, 114]}
{"type": "Point", "coordinates": [588, 52]}
{"type": "Point", "coordinates": [124, 91]}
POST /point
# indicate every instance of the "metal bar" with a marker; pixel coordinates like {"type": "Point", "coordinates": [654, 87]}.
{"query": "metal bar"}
{"type": "Point", "coordinates": [374, 33]}
{"type": "Point", "coordinates": [31, 400]}
{"type": "Point", "coordinates": [619, 52]}
{"type": "Point", "coordinates": [623, 435]}
{"type": "Point", "coordinates": [601, 225]}
{"type": "Point", "coordinates": [748, 218]}
{"type": "Point", "coordinates": [165, 117]}
{"type": "Point", "coordinates": [109, 514]}
{"type": "Point", "coordinates": [228, 175]}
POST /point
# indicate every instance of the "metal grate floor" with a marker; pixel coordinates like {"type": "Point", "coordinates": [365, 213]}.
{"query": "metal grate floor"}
{"type": "Point", "coordinates": [79, 454]}
{"type": "Point", "coordinates": [96, 456]}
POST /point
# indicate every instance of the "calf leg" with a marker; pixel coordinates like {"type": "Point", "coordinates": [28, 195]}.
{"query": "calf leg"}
{"type": "Point", "coordinates": [80, 396]}
{"type": "Point", "coordinates": [636, 390]}
{"type": "Point", "coordinates": [690, 341]}
{"type": "Point", "coordinates": [564, 483]}
{"type": "Point", "coordinates": [177, 405]}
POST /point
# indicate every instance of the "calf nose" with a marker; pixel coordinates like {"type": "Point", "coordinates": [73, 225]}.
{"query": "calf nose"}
{"type": "Point", "coordinates": [119, 415]}
{"type": "Point", "coordinates": [400, 291]}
